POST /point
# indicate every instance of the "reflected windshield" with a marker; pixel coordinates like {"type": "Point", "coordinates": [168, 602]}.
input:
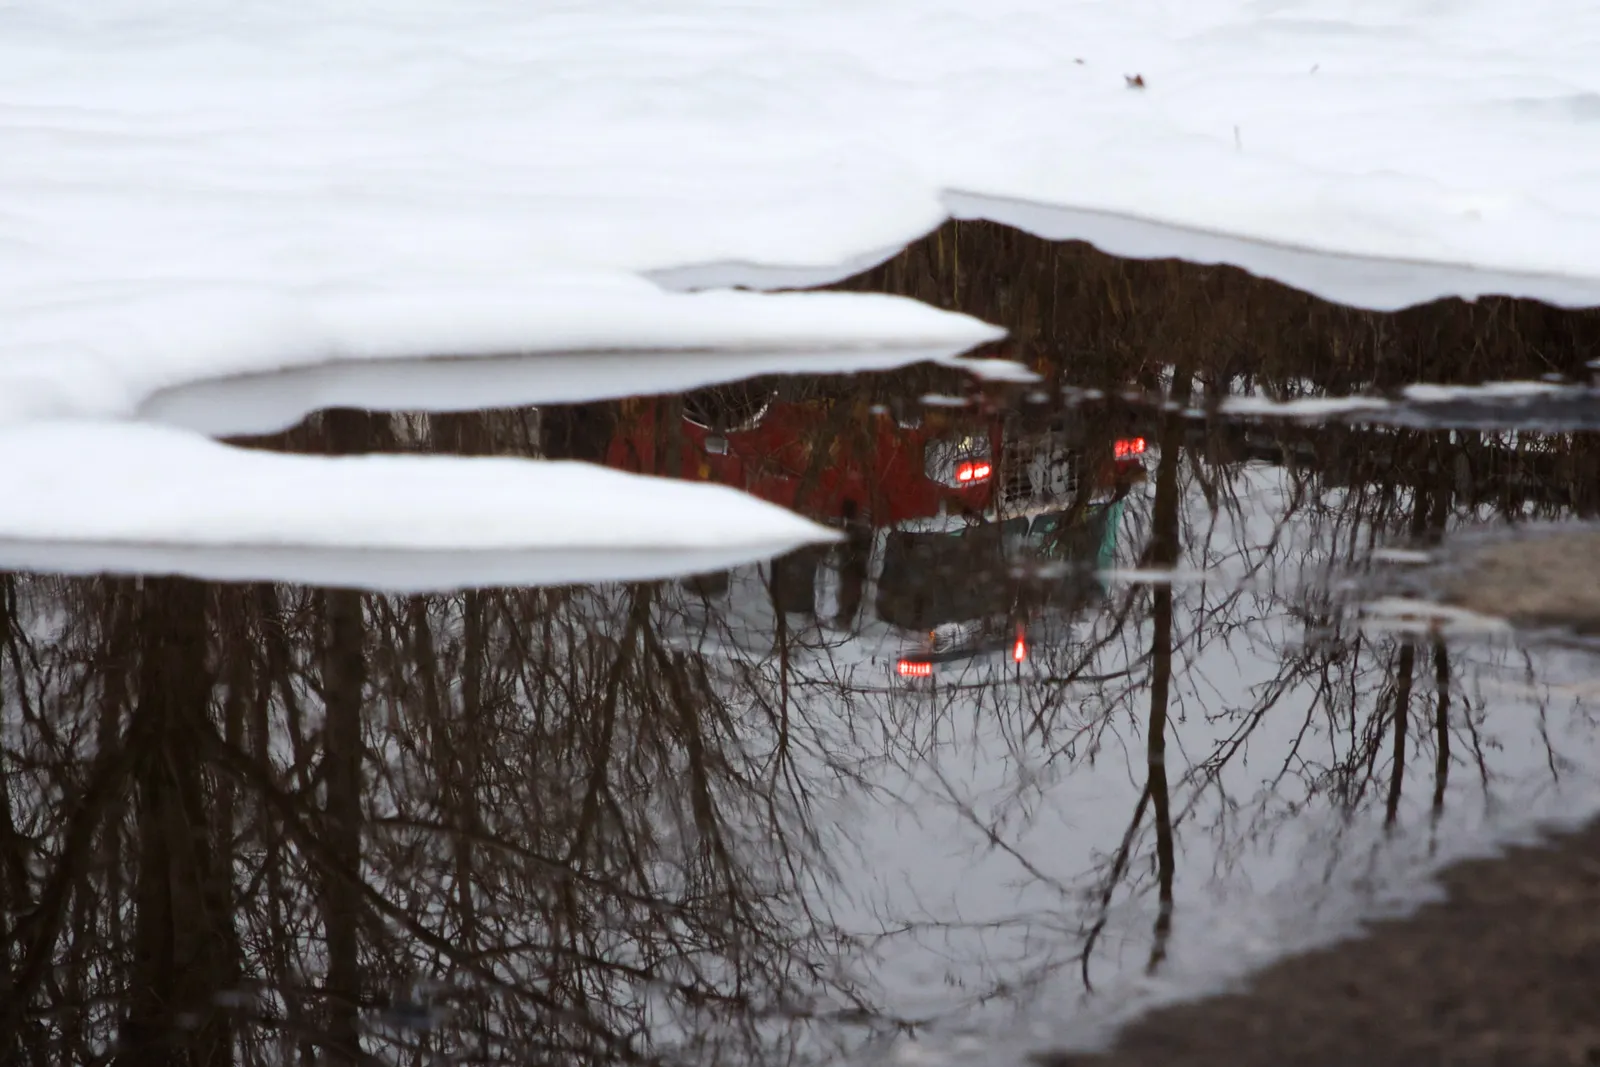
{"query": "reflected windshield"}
{"type": "Point", "coordinates": [975, 571]}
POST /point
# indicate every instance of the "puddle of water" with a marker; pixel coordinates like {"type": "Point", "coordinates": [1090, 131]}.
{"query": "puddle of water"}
{"type": "Point", "coordinates": [1099, 700]}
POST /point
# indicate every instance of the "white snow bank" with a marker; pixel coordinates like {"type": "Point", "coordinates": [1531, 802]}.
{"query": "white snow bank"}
{"type": "Point", "coordinates": [170, 167]}
{"type": "Point", "coordinates": [266, 403]}
{"type": "Point", "coordinates": [136, 498]}
{"type": "Point", "coordinates": [111, 356]}
{"type": "Point", "coordinates": [1413, 398]}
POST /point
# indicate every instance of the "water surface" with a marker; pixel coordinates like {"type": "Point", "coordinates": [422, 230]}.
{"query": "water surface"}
{"type": "Point", "coordinates": [1117, 684]}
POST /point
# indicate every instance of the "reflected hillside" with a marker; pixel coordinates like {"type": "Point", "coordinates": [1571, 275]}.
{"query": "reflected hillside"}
{"type": "Point", "coordinates": [1084, 698]}
{"type": "Point", "coordinates": [1102, 320]}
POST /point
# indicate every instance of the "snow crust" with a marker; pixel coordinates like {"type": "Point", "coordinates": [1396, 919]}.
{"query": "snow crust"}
{"type": "Point", "coordinates": [135, 498]}
{"type": "Point", "coordinates": [273, 401]}
{"type": "Point", "coordinates": [109, 357]}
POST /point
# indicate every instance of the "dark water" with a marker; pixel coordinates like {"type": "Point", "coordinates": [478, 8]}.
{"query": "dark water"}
{"type": "Point", "coordinates": [1104, 696]}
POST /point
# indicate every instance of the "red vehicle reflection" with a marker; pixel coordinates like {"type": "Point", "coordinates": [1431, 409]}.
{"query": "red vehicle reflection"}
{"type": "Point", "coordinates": [869, 465]}
{"type": "Point", "coordinates": [946, 510]}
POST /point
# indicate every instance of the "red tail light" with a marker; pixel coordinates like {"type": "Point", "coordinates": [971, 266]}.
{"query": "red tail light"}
{"type": "Point", "coordinates": [910, 668]}
{"type": "Point", "coordinates": [973, 471]}
{"type": "Point", "coordinates": [1128, 447]}
{"type": "Point", "coordinates": [1019, 651]}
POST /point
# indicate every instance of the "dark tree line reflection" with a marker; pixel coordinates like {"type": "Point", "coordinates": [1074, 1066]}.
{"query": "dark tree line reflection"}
{"type": "Point", "coordinates": [269, 824]}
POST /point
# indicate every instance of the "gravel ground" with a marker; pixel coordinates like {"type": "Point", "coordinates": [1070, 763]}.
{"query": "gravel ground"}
{"type": "Point", "coordinates": [1505, 971]}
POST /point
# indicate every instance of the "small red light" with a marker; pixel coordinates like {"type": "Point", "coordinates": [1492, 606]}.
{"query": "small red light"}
{"type": "Point", "coordinates": [973, 472]}
{"type": "Point", "coordinates": [910, 668]}
{"type": "Point", "coordinates": [1129, 446]}
{"type": "Point", "coordinates": [1019, 651]}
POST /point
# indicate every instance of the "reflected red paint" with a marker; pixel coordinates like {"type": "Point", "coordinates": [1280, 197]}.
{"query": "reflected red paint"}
{"type": "Point", "coordinates": [796, 457]}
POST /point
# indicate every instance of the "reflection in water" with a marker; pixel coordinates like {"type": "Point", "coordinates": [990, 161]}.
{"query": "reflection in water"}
{"type": "Point", "coordinates": [494, 823]}
{"type": "Point", "coordinates": [952, 767]}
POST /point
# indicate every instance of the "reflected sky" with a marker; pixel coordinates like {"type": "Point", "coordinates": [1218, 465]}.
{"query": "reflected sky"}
{"type": "Point", "coordinates": [1084, 711]}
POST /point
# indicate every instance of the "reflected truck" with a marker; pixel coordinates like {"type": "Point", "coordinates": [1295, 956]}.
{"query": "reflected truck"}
{"type": "Point", "coordinates": [967, 530]}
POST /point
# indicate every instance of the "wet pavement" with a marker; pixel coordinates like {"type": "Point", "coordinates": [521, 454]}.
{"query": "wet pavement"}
{"type": "Point", "coordinates": [1192, 657]}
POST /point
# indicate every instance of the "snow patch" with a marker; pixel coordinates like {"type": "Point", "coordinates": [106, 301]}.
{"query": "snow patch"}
{"type": "Point", "coordinates": [134, 498]}
{"type": "Point", "coordinates": [110, 358]}
{"type": "Point", "coordinates": [1434, 394]}
{"type": "Point", "coordinates": [197, 189]}
{"type": "Point", "coordinates": [1311, 407]}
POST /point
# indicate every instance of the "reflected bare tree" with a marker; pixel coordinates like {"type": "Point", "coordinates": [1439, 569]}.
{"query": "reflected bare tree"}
{"type": "Point", "coordinates": [249, 824]}
{"type": "Point", "coordinates": [267, 824]}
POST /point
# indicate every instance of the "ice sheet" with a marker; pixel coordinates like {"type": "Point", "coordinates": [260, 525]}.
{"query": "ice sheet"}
{"type": "Point", "coordinates": [136, 498]}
